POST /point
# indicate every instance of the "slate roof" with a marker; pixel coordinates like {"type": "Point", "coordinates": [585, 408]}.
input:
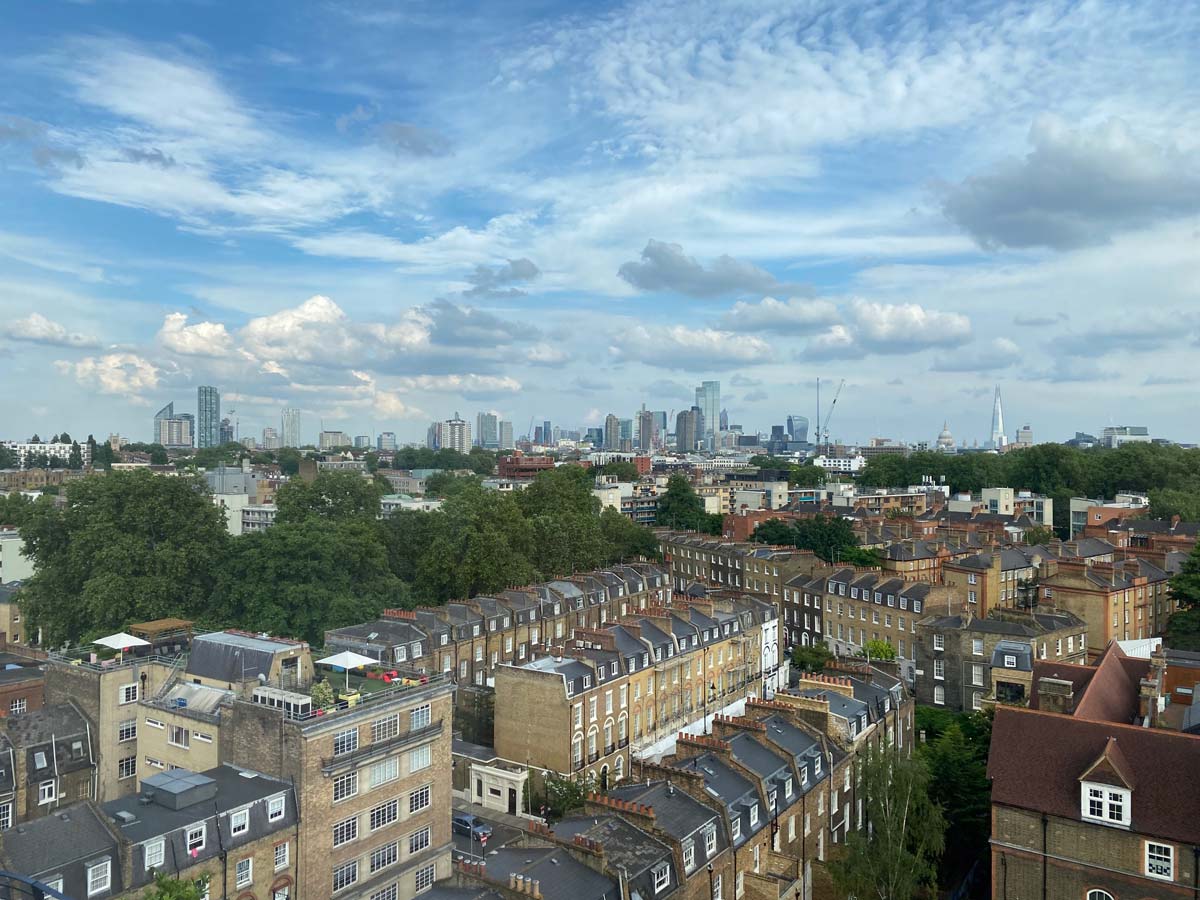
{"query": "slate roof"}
{"type": "Point", "coordinates": [626, 846]}
{"type": "Point", "coordinates": [47, 845]}
{"type": "Point", "coordinates": [558, 873]}
{"type": "Point", "coordinates": [676, 812]}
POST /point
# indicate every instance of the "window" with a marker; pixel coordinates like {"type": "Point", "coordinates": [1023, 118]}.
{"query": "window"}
{"type": "Point", "coordinates": [419, 759]}
{"type": "Point", "coordinates": [976, 674]}
{"type": "Point", "coordinates": [99, 877]}
{"type": "Point", "coordinates": [129, 693]}
{"type": "Point", "coordinates": [345, 831]}
{"type": "Point", "coordinates": [977, 646]}
{"type": "Point", "coordinates": [976, 700]}
{"type": "Point", "coordinates": [1099, 895]}
{"type": "Point", "coordinates": [239, 822]}
{"type": "Point", "coordinates": [16, 707]}
{"type": "Point", "coordinates": [939, 669]}
{"type": "Point", "coordinates": [5, 815]}
{"type": "Point", "coordinates": [939, 695]}
{"type": "Point", "coordinates": [345, 786]}
{"type": "Point", "coordinates": [753, 815]}
{"type": "Point", "coordinates": [282, 856]}
{"type": "Point", "coordinates": [735, 829]}
{"type": "Point", "coordinates": [1105, 804]}
{"type": "Point", "coordinates": [388, 893]}
{"type": "Point", "coordinates": [46, 793]}
{"type": "Point", "coordinates": [384, 771]}
{"type": "Point", "coordinates": [276, 807]}
{"type": "Point", "coordinates": [662, 877]}
{"type": "Point", "coordinates": [424, 879]}
{"type": "Point", "coordinates": [1010, 661]}
{"type": "Point", "coordinates": [385, 814]}
{"type": "Point", "coordinates": [245, 872]}
{"type": "Point", "coordinates": [152, 853]}
{"type": "Point", "coordinates": [1160, 861]}
{"type": "Point", "coordinates": [382, 857]}
{"type": "Point", "coordinates": [195, 837]}
{"type": "Point", "coordinates": [418, 840]}
{"type": "Point", "coordinates": [689, 855]}
{"type": "Point", "coordinates": [419, 799]}
{"type": "Point", "coordinates": [54, 883]}
{"type": "Point", "coordinates": [716, 891]}
{"type": "Point", "coordinates": [344, 876]}
{"type": "Point", "coordinates": [710, 841]}
{"type": "Point", "coordinates": [127, 767]}
{"type": "Point", "coordinates": [345, 742]}
{"type": "Point", "coordinates": [387, 727]}
{"type": "Point", "coordinates": [179, 737]}
{"type": "Point", "coordinates": [127, 730]}
{"type": "Point", "coordinates": [419, 717]}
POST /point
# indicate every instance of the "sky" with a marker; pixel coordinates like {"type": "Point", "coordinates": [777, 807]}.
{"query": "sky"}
{"type": "Point", "coordinates": [386, 213]}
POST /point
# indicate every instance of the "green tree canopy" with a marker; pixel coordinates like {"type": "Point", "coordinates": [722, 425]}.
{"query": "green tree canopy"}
{"type": "Point", "coordinates": [826, 536]}
{"type": "Point", "coordinates": [622, 469]}
{"type": "Point", "coordinates": [896, 859]}
{"type": "Point", "coordinates": [331, 495]}
{"type": "Point", "coordinates": [8, 458]}
{"type": "Point", "coordinates": [955, 751]}
{"type": "Point", "coordinates": [812, 658]}
{"type": "Point", "coordinates": [775, 531]}
{"type": "Point", "coordinates": [126, 547]}
{"type": "Point", "coordinates": [878, 649]}
{"type": "Point", "coordinates": [682, 508]}
{"type": "Point", "coordinates": [167, 888]}
{"type": "Point", "coordinates": [1185, 584]}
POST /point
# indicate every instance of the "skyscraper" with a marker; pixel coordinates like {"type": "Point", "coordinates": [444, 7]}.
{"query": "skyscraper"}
{"type": "Point", "coordinates": [724, 420]}
{"type": "Point", "coordinates": [487, 431]}
{"type": "Point", "coordinates": [708, 401]}
{"type": "Point", "coordinates": [547, 434]}
{"type": "Point", "coordinates": [612, 432]}
{"type": "Point", "coordinates": [505, 440]}
{"type": "Point", "coordinates": [645, 429]}
{"type": "Point", "coordinates": [687, 427]}
{"type": "Point", "coordinates": [999, 439]}
{"type": "Point", "coordinates": [208, 416]}
{"type": "Point", "coordinates": [452, 434]}
{"type": "Point", "coordinates": [797, 428]}
{"type": "Point", "coordinates": [270, 438]}
{"type": "Point", "coordinates": [290, 422]}
{"type": "Point", "coordinates": [386, 441]}
{"type": "Point", "coordinates": [172, 430]}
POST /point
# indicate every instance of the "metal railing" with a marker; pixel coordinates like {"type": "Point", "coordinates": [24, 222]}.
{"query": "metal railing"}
{"type": "Point", "coordinates": [354, 757]}
{"type": "Point", "coordinates": [18, 887]}
{"type": "Point", "coordinates": [77, 658]}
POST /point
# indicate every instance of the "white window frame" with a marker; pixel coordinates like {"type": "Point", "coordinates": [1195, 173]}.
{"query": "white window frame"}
{"type": "Point", "coordinates": [239, 821]}
{"type": "Point", "coordinates": [95, 886]}
{"type": "Point", "coordinates": [662, 877]}
{"type": "Point", "coordinates": [200, 827]}
{"type": "Point", "coordinates": [153, 853]}
{"type": "Point", "coordinates": [239, 882]}
{"type": "Point", "coordinates": [1159, 861]}
{"type": "Point", "coordinates": [1108, 798]}
{"type": "Point", "coordinates": [276, 808]}
{"type": "Point", "coordinates": [286, 860]}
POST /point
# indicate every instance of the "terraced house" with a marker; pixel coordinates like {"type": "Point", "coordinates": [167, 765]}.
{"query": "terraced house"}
{"type": "Point", "coordinates": [750, 568]}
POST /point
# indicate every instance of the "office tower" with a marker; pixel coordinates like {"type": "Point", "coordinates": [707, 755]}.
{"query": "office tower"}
{"type": "Point", "coordinates": [646, 434]}
{"type": "Point", "coordinates": [612, 432]}
{"type": "Point", "coordinates": [270, 439]}
{"type": "Point", "coordinates": [1025, 436]}
{"type": "Point", "coordinates": [797, 428]}
{"type": "Point", "coordinates": [708, 400]}
{"type": "Point", "coordinates": [386, 441]}
{"type": "Point", "coordinates": [331, 440]}
{"type": "Point", "coordinates": [164, 415]}
{"type": "Point", "coordinates": [547, 433]}
{"type": "Point", "coordinates": [173, 431]}
{"type": "Point", "coordinates": [660, 422]}
{"type": "Point", "coordinates": [487, 432]}
{"type": "Point", "coordinates": [595, 436]}
{"type": "Point", "coordinates": [362, 441]}
{"type": "Point", "coordinates": [227, 431]}
{"type": "Point", "coordinates": [686, 427]}
{"type": "Point", "coordinates": [626, 431]}
{"type": "Point", "coordinates": [537, 435]}
{"type": "Point", "coordinates": [724, 420]}
{"type": "Point", "coordinates": [290, 422]}
{"type": "Point", "coordinates": [999, 439]}
{"type": "Point", "coordinates": [505, 441]}
{"type": "Point", "coordinates": [208, 416]}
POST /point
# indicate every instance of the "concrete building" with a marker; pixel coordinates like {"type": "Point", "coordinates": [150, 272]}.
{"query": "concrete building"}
{"type": "Point", "coordinates": [386, 442]}
{"type": "Point", "coordinates": [208, 416]}
{"type": "Point", "coordinates": [271, 439]}
{"type": "Point", "coordinates": [331, 440]}
{"type": "Point", "coordinates": [452, 434]}
{"type": "Point", "coordinates": [612, 432]}
{"type": "Point", "coordinates": [171, 430]}
{"type": "Point", "coordinates": [362, 442]}
{"type": "Point", "coordinates": [687, 430]}
{"type": "Point", "coordinates": [26, 451]}
{"type": "Point", "coordinates": [1005, 501]}
{"type": "Point", "coordinates": [1115, 436]}
{"type": "Point", "coordinates": [506, 441]}
{"type": "Point", "coordinates": [647, 435]}
{"type": "Point", "coordinates": [487, 430]}
{"type": "Point", "coordinates": [290, 426]}
{"type": "Point", "coordinates": [965, 663]}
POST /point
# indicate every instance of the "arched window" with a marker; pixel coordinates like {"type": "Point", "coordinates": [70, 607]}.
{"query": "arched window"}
{"type": "Point", "coordinates": [619, 768]}
{"type": "Point", "coordinates": [1099, 895]}
{"type": "Point", "coordinates": [977, 700]}
{"type": "Point", "coordinates": [939, 695]}
{"type": "Point", "coordinates": [804, 639]}
{"type": "Point", "coordinates": [577, 750]}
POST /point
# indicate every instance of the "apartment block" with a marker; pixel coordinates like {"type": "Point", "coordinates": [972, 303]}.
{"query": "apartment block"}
{"type": "Point", "coordinates": [965, 663]}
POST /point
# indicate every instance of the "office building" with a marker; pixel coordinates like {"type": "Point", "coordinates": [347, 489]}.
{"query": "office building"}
{"type": "Point", "coordinates": [228, 432]}
{"type": "Point", "coordinates": [646, 433]}
{"type": "Point", "coordinates": [331, 440]}
{"type": "Point", "coordinates": [687, 428]}
{"type": "Point", "coordinates": [362, 441]}
{"type": "Point", "coordinates": [998, 440]}
{"type": "Point", "coordinates": [1116, 435]}
{"type": "Point", "coordinates": [547, 432]}
{"type": "Point", "coordinates": [208, 416]}
{"type": "Point", "coordinates": [487, 431]}
{"type": "Point", "coordinates": [612, 432]}
{"type": "Point", "coordinates": [797, 428]}
{"type": "Point", "coordinates": [270, 439]}
{"type": "Point", "coordinates": [171, 430]}
{"type": "Point", "coordinates": [386, 441]}
{"type": "Point", "coordinates": [290, 421]}
{"type": "Point", "coordinates": [708, 399]}
{"type": "Point", "coordinates": [505, 441]}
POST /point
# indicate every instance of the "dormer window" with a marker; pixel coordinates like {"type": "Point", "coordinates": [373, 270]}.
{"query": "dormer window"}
{"type": "Point", "coordinates": [753, 815]}
{"type": "Point", "coordinates": [736, 828]}
{"type": "Point", "coordinates": [1105, 804]}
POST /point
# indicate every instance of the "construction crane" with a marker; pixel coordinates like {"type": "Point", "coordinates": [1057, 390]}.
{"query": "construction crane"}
{"type": "Point", "coordinates": [823, 437]}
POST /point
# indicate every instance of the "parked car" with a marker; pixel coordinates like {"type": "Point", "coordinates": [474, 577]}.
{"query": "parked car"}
{"type": "Point", "coordinates": [465, 823]}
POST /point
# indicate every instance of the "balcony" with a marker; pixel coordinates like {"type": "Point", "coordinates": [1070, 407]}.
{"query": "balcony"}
{"type": "Point", "coordinates": [610, 748]}
{"type": "Point", "coordinates": [593, 756]}
{"type": "Point", "coordinates": [578, 764]}
{"type": "Point", "coordinates": [623, 743]}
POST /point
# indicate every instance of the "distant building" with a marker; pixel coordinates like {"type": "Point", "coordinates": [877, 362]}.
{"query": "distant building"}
{"type": "Point", "coordinates": [612, 432]}
{"type": "Point", "coordinates": [362, 441]}
{"type": "Point", "coordinates": [290, 420]}
{"type": "Point", "coordinates": [708, 400]}
{"type": "Point", "coordinates": [386, 441]}
{"type": "Point", "coordinates": [331, 440]}
{"type": "Point", "coordinates": [228, 432]}
{"type": "Point", "coordinates": [270, 439]}
{"type": "Point", "coordinates": [171, 430]}
{"type": "Point", "coordinates": [505, 441]}
{"type": "Point", "coordinates": [1116, 435]}
{"type": "Point", "coordinates": [646, 433]}
{"type": "Point", "coordinates": [208, 416]}
{"type": "Point", "coordinates": [797, 428]}
{"type": "Point", "coordinates": [452, 434]}
{"type": "Point", "coordinates": [487, 431]}
{"type": "Point", "coordinates": [27, 450]}
{"type": "Point", "coordinates": [1025, 436]}
{"type": "Point", "coordinates": [687, 430]}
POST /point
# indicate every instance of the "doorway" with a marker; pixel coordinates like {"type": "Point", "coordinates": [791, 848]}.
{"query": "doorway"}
{"type": "Point", "coordinates": [512, 801]}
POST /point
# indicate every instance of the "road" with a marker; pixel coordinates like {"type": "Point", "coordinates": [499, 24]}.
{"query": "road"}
{"type": "Point", "coordinates": [465, 848]}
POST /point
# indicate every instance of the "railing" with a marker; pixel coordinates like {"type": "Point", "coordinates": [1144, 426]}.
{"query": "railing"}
{"type": "Point", "coordinates": [593, 756]}
{"type": "Point", "coordinates": [18, 887]}
{"type": "Point", "coordinates": [419, 681]}
{"type": "Point", "coordinates": [623, 743]}
{"type": "Point", "coordinates": [579, 764]}
{"type": "Point", "coordinates": [609, 748]}
{"type": "Point", "coordinates": [77, 658]}
{"type": "Point", "coordinates": [365, 751]}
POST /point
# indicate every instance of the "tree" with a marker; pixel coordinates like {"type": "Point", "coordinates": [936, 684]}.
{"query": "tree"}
{"type": "Point", "coordinates": [8, 458]}
{"type": "Point", "coordinates": [775, 531]}
{"type": "Point", "coordinates": [158, 455]}
{"type": "Point", "coordinates": [564, 795]}
{"type": "Point", "coordinates": [127, 547]}
{"type": "Point", "coordinates": [444, 483]}
{"type": "Point", "coordinates": [1185, 584]}
{"type": "Point", "coordinates": [322, 694]}
{"type": "Point", "coordinates": [812, 658]}
{"type": "Point", "coordinates": [167, 888]}
{"type": "Point", "coordinates": [896, 858]}
{"type": "Point", "coordinates": [75, 460]}
{"type": "Point", "coordinates": [1039, 535]}
{"type": "Point", "coordinates": [957, 761]}
{"type": "Point", "coordinates": [681, 507]}
{"type": "Point", "coordinates": [622, 469]}
{"type": "Point", "coordinates": [877, 649]}
{"type": "Point", "coordinates": [826, 536]}
{"type": "Point", "coordinates": [331, 495]}
{"type": "Point", "coordinates": [625, 539]}
{"type": "Point", "coordinates": [1183, 629]}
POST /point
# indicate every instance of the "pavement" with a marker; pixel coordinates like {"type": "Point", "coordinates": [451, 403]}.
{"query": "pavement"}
{"type": "Point", "coordinates": [505, 829]}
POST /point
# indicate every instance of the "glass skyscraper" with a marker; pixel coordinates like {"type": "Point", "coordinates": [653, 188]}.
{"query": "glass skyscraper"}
{"type": "Point", "coordinates": [708, 399]}
{"type": "Point", "coordinates": [208, 416]}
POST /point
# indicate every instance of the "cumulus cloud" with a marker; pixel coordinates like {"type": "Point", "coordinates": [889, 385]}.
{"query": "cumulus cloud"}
{"type": "Point", "coordinates": [888, 329]}
{"type": "Point", "coordinates": [1075, 188]}
{"type": "Point", "coordinates": [123, 374]}
{"type": "Point", "coordinates": [680, 347]}
{"type": "Point", "coordinates": [665, 267]}
{"type": "Point", "coordinates": [835, 343]}
{"type": "Point", "coordinates": [795, 316]}
{"type": "Point", "coordinates": [999, 353]}
{"type": "Point", "coordinates": [37, 329]}
{"type": "Point", "coordinates": [489, 281]}
{"type": "Point", "coordinates": [201, 339]}
{"type": "Point", "coordinates": [315, 330]}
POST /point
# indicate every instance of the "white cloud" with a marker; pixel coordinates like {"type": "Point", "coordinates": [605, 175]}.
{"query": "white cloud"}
{"type": "Point", "coordinates": [799, 315]}
{"type": "Point", "coordinates": [998, 353]}
{"type": "Point", "coordinates": [37, 329]}
{"type": "Point", "coordinates": [680, 347]}
{"type": "Point", "coordinates": [903, 328]}
{"type": "Point", "coordinates": [122, 374]}
{"type": "Point", "coordinates": [201, 339]}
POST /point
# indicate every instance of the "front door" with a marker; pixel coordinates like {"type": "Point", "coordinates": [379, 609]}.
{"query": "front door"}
{"type": "Point", "coordinates": [512, 801]}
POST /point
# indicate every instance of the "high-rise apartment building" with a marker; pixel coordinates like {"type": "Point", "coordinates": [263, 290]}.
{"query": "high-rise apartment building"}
{"type": "Point", "coordinates": [208, 416]}
{"type": "Point", "coordinates": [330, 440]}
{"type": "Point", "coordinates": [645, 429]}
{"type": "Point", "coordinates": [686, 430]}
{"type": "Point", "coordinates": [612, 432]}
{"type": "Point", "coordinates": [173, 431]}
{"type": "Point", "coordinates": [362, 441]}
{"type": "Point", "coordinates": [487, 430]}
{"type": "Point", "coordinates": [708, 400]}
{"type": "Point", "coordinates": [386, 441]}
{"type": "Point", "coordinates": [291, 426]}
{"type": "Point", "coordinates": [505, 440]}
{"type": "Point", "coordinates": [452, 434]}
{"type": "Point", "coordinates": [270, 439]}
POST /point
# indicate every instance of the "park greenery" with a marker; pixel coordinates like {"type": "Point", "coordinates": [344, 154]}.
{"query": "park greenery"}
{"type": "Point", "coordinates": [830, 538]}
{"type": "Point", "coordinates": [1183, 628]}
{"type": "Point", "coordinates": [681, 508]}
{"type": "Point", "coordinates": [806, 475]}
{"type": "Point", "coordinates": [133, 546]}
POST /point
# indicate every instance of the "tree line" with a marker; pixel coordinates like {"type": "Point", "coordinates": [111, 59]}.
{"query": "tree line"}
{"type": "Point", "coordinates": [132, 546]}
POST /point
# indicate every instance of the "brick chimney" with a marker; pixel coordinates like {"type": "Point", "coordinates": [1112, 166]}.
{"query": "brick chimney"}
{"type": "Point", "coordinates": [1055, 695]}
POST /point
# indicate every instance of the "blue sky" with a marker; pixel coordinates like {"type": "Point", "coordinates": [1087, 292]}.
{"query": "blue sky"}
{"type": "Point", "coordinates": [385, 213]}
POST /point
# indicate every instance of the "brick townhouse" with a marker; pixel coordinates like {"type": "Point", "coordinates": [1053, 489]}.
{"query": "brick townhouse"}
{"type": "Point", "coordinates": [1091, 795]}
{"type": "Point", "coordinates": [751, 568]}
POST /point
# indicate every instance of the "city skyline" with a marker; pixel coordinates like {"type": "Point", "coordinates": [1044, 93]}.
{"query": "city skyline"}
{"type": "Point", "coordinates": [856, 191]}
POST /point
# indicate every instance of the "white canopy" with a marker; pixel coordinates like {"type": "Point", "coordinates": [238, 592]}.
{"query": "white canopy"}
{"type": "Point", "coordinates": [347, 660]}
{"type": "Point", "coordinates": [121, 641]}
